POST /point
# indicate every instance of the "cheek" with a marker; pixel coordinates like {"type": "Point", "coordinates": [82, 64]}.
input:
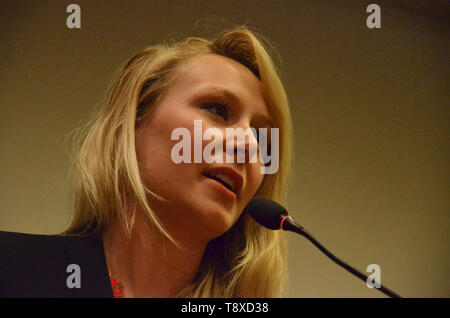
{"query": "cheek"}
{"type": "Point", "coordinates": [153, 151]}
{"type": "Point", "coordinates": [153, 143]}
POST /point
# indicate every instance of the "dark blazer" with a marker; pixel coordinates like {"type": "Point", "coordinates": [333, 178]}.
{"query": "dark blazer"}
{"type": "Point", "coordinates": [37, 266]}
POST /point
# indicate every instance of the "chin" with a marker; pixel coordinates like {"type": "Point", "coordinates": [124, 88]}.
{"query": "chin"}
{"type": "Point", "coordinates": [216, 219]}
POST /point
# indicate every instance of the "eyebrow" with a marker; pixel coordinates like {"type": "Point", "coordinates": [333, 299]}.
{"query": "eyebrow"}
{"type": "Point", "coordinates": [229, 95]}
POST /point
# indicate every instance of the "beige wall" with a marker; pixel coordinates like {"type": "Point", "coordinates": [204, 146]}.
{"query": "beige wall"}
{"type": "Point", "coordinates": [370, 112]}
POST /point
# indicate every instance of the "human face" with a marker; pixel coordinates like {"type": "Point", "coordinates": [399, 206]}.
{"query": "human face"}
{"type": "Point", "coordinates": [222, 93]}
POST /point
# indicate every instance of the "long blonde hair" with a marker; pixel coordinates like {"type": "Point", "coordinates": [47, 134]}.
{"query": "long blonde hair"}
{"type": "Point", "coordinates": [246, 261]}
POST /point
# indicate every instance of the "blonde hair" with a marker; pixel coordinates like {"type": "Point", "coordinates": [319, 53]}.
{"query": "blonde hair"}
{"type": "Point", "coordinates": [246, 261]}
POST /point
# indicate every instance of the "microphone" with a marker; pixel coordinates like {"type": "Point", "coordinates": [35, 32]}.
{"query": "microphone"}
{"type": "Point", "coordinates": [273, 216]}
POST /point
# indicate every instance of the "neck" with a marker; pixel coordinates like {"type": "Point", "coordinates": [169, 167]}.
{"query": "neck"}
{"type": "Point", "coordinates": [147, 263]}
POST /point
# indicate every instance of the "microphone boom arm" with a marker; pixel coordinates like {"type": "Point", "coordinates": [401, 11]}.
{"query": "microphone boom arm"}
{"type": "Point", "coordinates": [288, 224]}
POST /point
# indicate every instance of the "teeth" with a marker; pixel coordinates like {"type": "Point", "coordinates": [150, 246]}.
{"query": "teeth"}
{"type": "Point", "coordinates": [225, 179]}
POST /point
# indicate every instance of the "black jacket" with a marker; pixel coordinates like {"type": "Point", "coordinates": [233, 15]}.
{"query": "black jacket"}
{"type": "Point", "coordinates": [38, 266]}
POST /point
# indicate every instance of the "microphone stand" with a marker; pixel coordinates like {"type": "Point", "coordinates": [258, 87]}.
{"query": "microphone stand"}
{"type": "Point", "coordinates": [288, 224]}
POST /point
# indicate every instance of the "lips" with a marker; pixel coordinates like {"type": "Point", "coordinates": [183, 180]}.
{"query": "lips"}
{"type": "Point", "coordinates": [228, 177]}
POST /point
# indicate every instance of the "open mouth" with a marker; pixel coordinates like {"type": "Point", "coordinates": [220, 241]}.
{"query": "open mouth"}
{"type": "Point", "coordinates": [226, 181]}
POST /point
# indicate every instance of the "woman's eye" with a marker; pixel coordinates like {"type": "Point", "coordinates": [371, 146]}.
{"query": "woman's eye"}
{"type": "Point", "coordinates": [218, 109]}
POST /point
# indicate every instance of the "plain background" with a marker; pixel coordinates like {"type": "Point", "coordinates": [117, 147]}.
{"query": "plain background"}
{"type": "Point", "coordinates": [370, 111]}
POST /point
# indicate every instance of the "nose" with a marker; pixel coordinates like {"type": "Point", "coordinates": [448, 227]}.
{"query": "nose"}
{"type": "Point", "coordinates": [241, 144]}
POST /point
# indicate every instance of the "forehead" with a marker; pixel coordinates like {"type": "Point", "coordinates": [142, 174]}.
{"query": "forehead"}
{"type": "Point", "coordinates": [217, 67]}
{"type": "Point", "coordinates": [212, 72]}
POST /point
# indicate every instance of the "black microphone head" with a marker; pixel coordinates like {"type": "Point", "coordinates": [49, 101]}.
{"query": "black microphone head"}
{"type": "Point", "coordinates": [266, 212]}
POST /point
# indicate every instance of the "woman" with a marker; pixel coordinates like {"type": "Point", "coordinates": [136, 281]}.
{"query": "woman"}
{"type": "Point", "coordinates": [155, 227]}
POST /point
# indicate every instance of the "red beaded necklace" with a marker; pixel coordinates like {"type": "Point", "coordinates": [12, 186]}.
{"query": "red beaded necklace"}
{"type": "Point", "coordinates": [117, 287]}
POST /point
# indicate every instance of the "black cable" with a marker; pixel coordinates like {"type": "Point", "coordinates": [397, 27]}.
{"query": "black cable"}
{"type": "Point", "coordinates": [290, 225]}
